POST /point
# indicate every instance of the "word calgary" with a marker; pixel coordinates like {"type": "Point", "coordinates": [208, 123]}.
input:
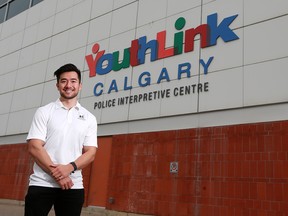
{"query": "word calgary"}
{"type": "Point", "coordinates": [102, 63]}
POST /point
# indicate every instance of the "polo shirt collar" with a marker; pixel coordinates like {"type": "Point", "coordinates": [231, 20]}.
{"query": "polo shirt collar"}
{"type": "Point", "coordinates": [59, 104]}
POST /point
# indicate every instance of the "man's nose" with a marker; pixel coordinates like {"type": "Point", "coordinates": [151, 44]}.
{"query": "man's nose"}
{"type": "Point", "coordinates": [68, 84]}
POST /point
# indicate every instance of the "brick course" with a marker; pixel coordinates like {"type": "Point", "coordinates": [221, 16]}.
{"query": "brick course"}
{"type": "Point", "coordinates": [223, 171]}
{"type": "Point", "coordinates": [228, 171]}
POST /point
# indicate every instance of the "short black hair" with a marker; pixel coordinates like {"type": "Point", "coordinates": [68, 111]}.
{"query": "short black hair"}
{"type": "Point", "coordinates": [66, 68]}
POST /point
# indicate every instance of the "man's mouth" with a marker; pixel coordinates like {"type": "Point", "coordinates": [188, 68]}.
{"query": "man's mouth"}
{"type": "Point", "coordinates": [68, 91]}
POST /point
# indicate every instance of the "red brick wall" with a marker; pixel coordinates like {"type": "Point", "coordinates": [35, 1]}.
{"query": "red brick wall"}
{"type": "Point", "coordinates": [15, 168]}
{"type": "Point", "coordinates": [223, 171]}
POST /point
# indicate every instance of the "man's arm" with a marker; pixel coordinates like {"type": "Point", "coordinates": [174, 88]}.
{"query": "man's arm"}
{"type": "Point", "coordinates": [39, 154]}
{"type": "Point", "coordinates": [87, 157]}
{"type": "Point", "coordinates": [81, 162]}
{"type": "Point", "coordinates": [41, 157]}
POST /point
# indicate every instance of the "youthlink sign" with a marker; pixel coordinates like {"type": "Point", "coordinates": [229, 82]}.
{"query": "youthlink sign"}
{"type": "Point", "coordinates": [102, 63]}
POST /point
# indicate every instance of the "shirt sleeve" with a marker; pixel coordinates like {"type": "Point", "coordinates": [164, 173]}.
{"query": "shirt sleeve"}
{"type": "Point", "coordinates": [38, 129]}
{"type": "Point", "coordinates": [91, 135]}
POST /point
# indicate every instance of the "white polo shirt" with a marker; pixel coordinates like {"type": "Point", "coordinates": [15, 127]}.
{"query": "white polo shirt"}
{"type": "Point", "coordinates": [64, 132]}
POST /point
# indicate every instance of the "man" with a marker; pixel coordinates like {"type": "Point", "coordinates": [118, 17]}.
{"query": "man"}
{"type": "Point", "coordinates": [62, 140]}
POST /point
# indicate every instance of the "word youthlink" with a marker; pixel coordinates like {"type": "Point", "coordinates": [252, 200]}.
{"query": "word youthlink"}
{"type": "Point", "coordinates": [103, 62]}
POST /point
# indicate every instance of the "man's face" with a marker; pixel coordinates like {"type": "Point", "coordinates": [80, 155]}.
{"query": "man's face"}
{"type": "Point", "coordinates": [69, 85]}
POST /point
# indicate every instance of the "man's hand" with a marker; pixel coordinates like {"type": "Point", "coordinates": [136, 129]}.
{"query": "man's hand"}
{"type": "Point", "coordinates": [65, 183]}
{"type": "Point", "coordinates": [60, 171]}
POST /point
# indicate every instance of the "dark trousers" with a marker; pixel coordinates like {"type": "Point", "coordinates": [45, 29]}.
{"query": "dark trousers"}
{"type": "Point", "coordinates": [39, 201]}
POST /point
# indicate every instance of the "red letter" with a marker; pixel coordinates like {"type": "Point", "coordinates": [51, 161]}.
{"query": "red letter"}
{"type": "Point", "coordinates": [190, 35]}
{"type": "Point", "coordinates": [134, 53]}
{"type": "Point", "coordinates": [162, 51]}
{"type": "Point", "coordinates": [93, 62]}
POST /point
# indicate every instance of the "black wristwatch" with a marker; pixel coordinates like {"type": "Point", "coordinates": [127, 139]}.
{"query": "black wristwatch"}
{"type": "Point", "coordinates": [74, 166]}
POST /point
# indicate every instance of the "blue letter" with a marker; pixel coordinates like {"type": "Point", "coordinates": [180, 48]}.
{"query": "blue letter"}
{"type": "Point", "coordinates": [147, 79]}
{"type": "Point", "coordinates": [126, 87]}
{"type": "Point", "coordinates": [152, 45]}
{"type": "Point", "coordinates": [163, 75]}
{"type": "Point", "coordinates": [222, 30]}
{"type": "Point", "coordinates": [181, 69]}
{"type": "Point", "coordinates": [206, 65]}
{"type": "Point", "coordinates": [99, 67]}
{"type": "Point", "coordinates": [113, 86]}
{"type": "Point", "coordinates": [95, 88]}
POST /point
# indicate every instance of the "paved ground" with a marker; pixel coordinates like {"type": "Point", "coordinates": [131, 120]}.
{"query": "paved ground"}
{"type": "Point", "coordinates": [11, 208]}
{"type": "Point", "coordinates": [16, 208]}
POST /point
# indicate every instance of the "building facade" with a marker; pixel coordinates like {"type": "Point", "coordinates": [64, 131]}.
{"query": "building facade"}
{"type": "Point", "coordinates": [190, 98]}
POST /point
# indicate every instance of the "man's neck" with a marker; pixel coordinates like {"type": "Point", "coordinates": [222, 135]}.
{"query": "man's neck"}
{"type": "Point", "coordinates": [68, 103]}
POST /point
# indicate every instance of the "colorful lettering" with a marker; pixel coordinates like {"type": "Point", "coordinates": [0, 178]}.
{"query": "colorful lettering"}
{"type": "Point", "coordinates": [183, 42]}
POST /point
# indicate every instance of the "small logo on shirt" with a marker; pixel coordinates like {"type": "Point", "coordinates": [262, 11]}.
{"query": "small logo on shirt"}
{"type": "Point", "coordinates": [81, 117]}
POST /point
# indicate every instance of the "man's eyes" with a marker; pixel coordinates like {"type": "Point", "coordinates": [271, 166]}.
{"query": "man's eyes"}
{"type": "Point", "coordinates": [65, 81]}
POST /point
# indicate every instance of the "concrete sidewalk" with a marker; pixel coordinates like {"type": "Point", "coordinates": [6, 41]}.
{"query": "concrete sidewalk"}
{"type": "Point", "coordinates": [16, 208]}
{"type": "Point", "coordinates": [11, 207]}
